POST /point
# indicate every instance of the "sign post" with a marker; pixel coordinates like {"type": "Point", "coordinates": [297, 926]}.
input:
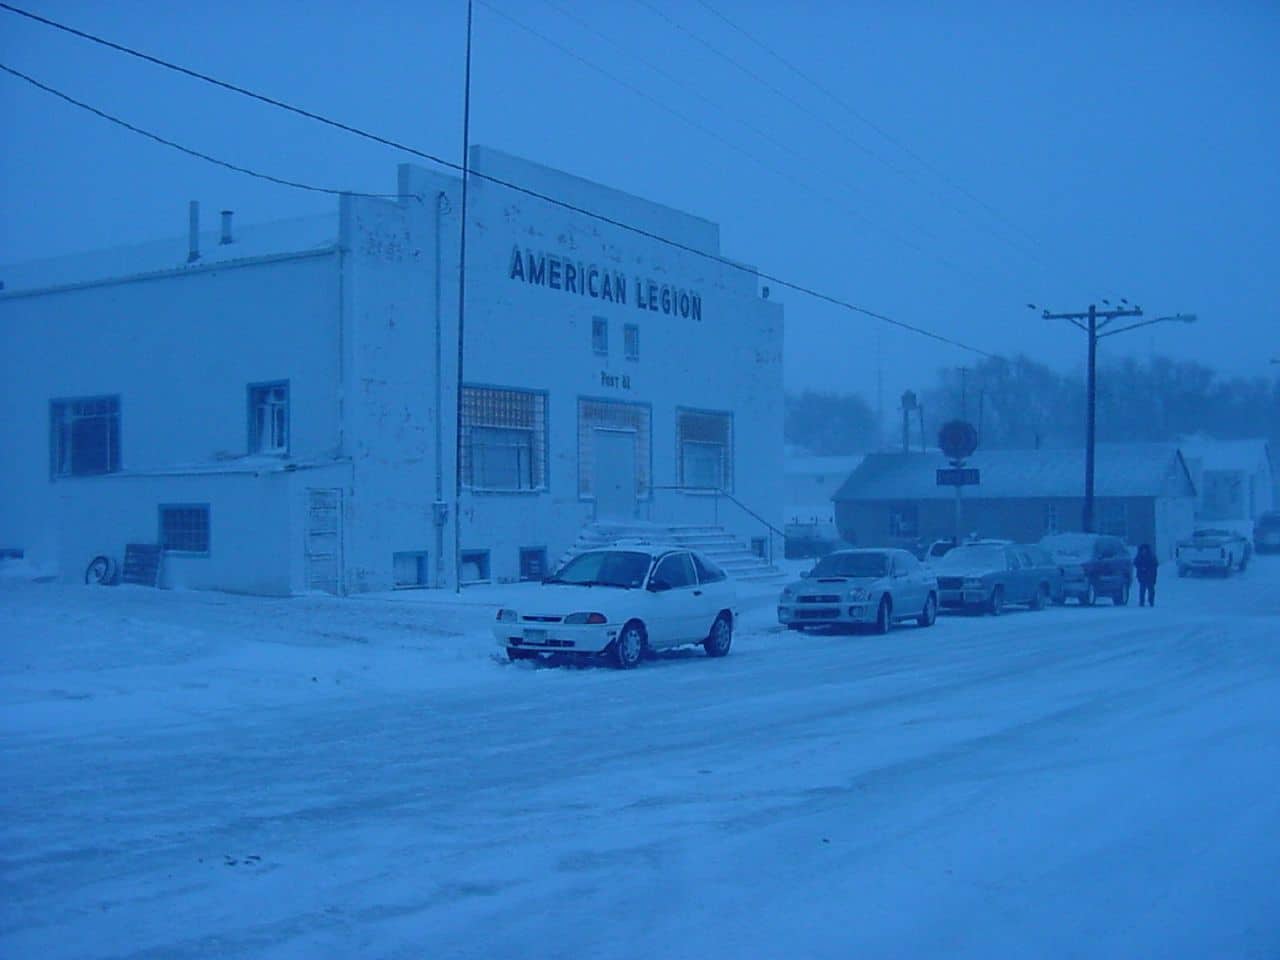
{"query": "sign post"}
{"type": "Point", "coordinates": [958, 440]}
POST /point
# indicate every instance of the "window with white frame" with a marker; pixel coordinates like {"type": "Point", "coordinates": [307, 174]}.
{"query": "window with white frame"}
{"type": "Point", "coordinates": [84, 436]}
{"type": "Point", "coordinates": [705, 448]}
{"type": "Point", "coordinates": [594, 415]}
{"type": "Point", "coordinates": [631, 341]}
{"type": "Point", "coordinates": [184, 527]}
{"type": "Point", "coordinates": [409, 569]}
{"type": "Point", "coordinates": [269, 417]}
{"type": "Point", "coordinates": [504, 438]}
{"type": "Point", "coordinates": [904, 521]}
{"type": "Point", "coordinates": [600, 335]}
{"type": "Point", "coordinates": [1113, 519]}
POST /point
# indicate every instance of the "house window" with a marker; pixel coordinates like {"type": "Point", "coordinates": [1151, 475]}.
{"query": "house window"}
{"type": "Point", "coordinates": [1113, 519]}
{"type": "Point", "coordinates": [904, 522]}
{"type": "Point", "coordinates": [631, 341]}
{"type": "Point", "coordinates": [184, 528]}
{"type": "Point", "coordinates": [533, 563]}
{"type": "Point", "coordinates": [504, 439]}
{"type": "Point", "coordinates": [409, 569]}
{"type": "Point", "coordinates": [1051, 519]}
{"type": "Point", "coordinates": [704, 445]}
{"type": "Point", "coordinates": [600, 335]}
{"type": "Point", "coordinates": [475, 566]}
{"type": "Point", "coordinates": [269, 417]}
{"type": "Point", "coordinates": [84, 436]}
{"type": "Point", "coordinates": [594, 415]}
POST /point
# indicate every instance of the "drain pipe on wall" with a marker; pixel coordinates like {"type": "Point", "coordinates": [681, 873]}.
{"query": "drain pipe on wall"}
{"type": "Point", "coordinates": [439, 509]}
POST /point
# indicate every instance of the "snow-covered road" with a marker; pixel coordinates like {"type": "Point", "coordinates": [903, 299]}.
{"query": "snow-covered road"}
{"type": "Point", "coordinates": [200, 775]}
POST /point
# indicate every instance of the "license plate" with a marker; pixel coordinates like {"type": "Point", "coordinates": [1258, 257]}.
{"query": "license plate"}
{"type": "Point", "coordinates": [535, 636]}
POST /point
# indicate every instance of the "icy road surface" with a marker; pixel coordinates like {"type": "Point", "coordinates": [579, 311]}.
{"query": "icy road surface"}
{"type": "Point", "coordinates": [199, 775]}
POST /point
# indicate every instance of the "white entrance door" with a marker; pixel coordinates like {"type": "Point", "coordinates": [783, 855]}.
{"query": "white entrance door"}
{"type": "Point", "coordinates": [324, 540]}
{"type": "Point", "coordinates": [613, 476]}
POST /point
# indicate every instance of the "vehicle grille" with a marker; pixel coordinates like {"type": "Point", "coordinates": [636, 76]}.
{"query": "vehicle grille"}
{"type": "Point", "coordinates": [950, 583]}
{"type": "Point", "coordinates": [819, 598]}
{"type": "Point", "coordinates": [818, 613]}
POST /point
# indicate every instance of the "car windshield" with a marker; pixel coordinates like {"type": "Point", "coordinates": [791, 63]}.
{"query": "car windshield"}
{"type": "Point", "coordinates": [852, 565]}
{"type": "Point", "coordinates": [973, 558]}
{"type": "Point", "coordinates": [604, 568]}
{"type": "Point", "coordinates": [1079, 545]}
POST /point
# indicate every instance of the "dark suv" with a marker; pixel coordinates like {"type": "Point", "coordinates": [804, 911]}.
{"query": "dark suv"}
{"type": "Point", "coordinates": [1093, 565]}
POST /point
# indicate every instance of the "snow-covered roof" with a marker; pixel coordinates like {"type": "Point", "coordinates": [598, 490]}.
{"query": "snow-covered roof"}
{"type": "Point", "coordinates": [1244, 455]}
{"type": "Point", "coordinates": [295, 235]}
{"type": "Point", "coordinates": [1121, 470]}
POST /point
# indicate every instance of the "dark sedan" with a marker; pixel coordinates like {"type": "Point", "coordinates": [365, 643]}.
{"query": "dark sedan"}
{"type": "Point", "coordinates": [986, 577]}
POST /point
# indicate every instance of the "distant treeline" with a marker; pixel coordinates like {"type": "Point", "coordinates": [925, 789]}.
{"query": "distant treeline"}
{"type": "Point", "coordinates": [1023, 403]}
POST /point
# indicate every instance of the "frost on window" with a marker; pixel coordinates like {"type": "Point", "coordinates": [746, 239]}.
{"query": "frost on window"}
{"type": "Point", "coordinates": [504, 439]}
{"type": "Point", "coordinates": [705, 450]}
{"type": "Point", "coordinates": [269, 418]}
{"type": "Point", "coordinates": [84, 436]}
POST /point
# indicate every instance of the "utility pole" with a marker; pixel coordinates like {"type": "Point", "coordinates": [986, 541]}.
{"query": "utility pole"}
{"type": "Point", "coordinates": [462, 299]}
{"type": "Point", "coordinates": [1095, 323]}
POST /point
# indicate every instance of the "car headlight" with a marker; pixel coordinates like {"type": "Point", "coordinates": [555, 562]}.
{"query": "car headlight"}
{"type": "Point", "coordinates": [507, 616]}
{"type": "Point", "coordinates": [586, 618]}
{"type": "Point", "coordinates": [972, 583]}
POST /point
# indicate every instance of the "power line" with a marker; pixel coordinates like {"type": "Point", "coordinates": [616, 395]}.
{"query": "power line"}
{"type": "Point", "coordinates": [448, 164]}
{"type": "Point", "coordinates": [179, 147]}
{"type": "Point", "coordinates": [863, 118]}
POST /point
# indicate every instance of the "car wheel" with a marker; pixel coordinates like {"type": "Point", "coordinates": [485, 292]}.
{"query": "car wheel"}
{"type": "Point", "coordinates": [1041, 599]}
{"type": "Point", "coordinates": [1121, 596]}
{"type": "Point", "coordinates": [883, 614]}
{"type": "Point", "coordinates": [1090, 596]}
{"type": "Point", "coordinates": [629, 647]}
{"type": "Point", "coordinates": [100, 572]}
{"type": "Point", "coordinates": [929, 615]}
{"type": "Point", "coordinates": [995, 606]}
{"type": "Point", "coordinates": [720, 638]}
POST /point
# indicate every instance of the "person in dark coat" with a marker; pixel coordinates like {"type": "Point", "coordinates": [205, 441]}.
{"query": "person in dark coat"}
{"type": "Point", "coordinates": [1145, 566]}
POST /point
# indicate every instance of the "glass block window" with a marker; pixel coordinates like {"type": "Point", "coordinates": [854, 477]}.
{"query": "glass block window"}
{"type": "Point", "coordinates": [269, 417]}
{"type": "Point", "coordinates": [409, 569]}
{"type": "Point", "coordinates": [84, 436]}
{"type": "Point", "coordinates": [504, 438]}
{"type": "Point", "coordinates": [600, 335]}
{"type": "Point", "coordinates": [631, 341]}
{"type": "Point", "coordinates": [184, 527]}
{"type": "Point", "coordinates": [612, 415]}
{"type": "Point", "coordinates": [705, 450]}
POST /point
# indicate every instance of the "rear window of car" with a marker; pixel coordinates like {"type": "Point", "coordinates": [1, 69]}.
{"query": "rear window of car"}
{"type": "Point", "coordinates": [708, 572]}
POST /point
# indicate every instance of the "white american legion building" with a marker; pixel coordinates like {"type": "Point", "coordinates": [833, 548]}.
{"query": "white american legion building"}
{"type": "Point", "coordinates": [278, 406]}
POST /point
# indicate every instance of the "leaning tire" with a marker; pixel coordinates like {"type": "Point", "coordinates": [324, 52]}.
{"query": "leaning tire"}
{"type": "Point", "coordinates": [101, 572]}
{"type": "Point", "coordinates": [883, 613]}
{"type": "Point", "coordinates": [929, 615]}
{"type": "Point", "coordinates": [720, 639]}
{"type": "Point", "coordinates": [629, 647]}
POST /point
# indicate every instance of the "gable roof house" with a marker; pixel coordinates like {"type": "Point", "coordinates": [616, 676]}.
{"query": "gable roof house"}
{"type": "Point", "coordinates": [1235, 480]}
{"type": "Point", "coordinates": [1143, 493]}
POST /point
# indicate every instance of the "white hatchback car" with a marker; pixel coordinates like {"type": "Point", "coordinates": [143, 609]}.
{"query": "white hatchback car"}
{"type": "Point", "coordinates": [624, 601]}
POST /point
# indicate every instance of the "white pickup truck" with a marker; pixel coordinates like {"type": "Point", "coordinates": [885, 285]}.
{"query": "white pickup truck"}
{"type": "Point", "coordinates": [1213, 551]}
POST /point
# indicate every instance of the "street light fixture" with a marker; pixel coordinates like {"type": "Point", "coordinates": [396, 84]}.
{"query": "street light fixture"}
{"type": "Point", "coordinates": [1095, 323]}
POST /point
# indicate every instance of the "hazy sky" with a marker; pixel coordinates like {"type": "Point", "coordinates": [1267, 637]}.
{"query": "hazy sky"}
{"type": "Point", "coordinates": [978, 156]}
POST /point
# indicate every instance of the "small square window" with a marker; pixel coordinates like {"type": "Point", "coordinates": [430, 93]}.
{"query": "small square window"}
{"type": "Point", "coordinates": [184, 528]}
{"type": "Point", "coordinates": [409, 569]}
{"type": "Point", "coordinates": [600, 335]}
{"type": "Point", "coordinates": [475, 566]}
{"type": "Point", "coordinates": [533, 563]}
{"type": "Point", "coordinates": [631, 341]}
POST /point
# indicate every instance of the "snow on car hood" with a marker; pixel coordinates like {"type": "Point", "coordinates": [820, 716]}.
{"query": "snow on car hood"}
{"type": "Point", "coordinates": [562, 599]}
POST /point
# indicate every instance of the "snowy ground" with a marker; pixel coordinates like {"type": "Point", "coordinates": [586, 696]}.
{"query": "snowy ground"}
{"type": "Point", "coordinates": [202, 775]}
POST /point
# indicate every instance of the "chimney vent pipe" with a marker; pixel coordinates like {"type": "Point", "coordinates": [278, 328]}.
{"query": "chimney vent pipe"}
{"type": "Point", "coordinates": [226, 227]}
{"type": "Point", "coordinates": [193, 232]}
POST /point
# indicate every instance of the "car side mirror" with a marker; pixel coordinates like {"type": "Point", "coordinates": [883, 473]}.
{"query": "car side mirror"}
{"type": "Point", "coordinates": [658, 586]}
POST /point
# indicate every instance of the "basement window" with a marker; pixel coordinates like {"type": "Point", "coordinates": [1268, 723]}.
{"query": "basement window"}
{"type": "Point", "coordinates": [184, 528]}
{"type": "Point", "coordinates": [409, 569]}
{"type": "Point", "coordinates": [475, 566]}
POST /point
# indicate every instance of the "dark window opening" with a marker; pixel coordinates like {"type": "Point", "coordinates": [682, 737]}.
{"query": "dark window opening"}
{"type": "Point", "coordinates": [184, 528]}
